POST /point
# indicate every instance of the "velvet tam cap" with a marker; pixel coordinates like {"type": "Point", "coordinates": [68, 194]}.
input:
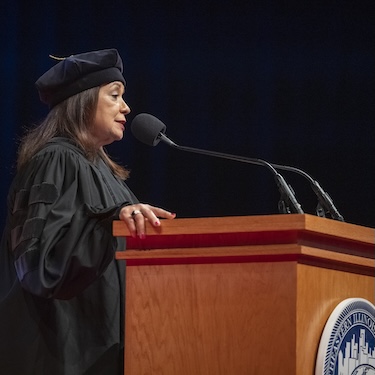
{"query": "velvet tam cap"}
{"type": "Point", "coordinates": [77, 73]}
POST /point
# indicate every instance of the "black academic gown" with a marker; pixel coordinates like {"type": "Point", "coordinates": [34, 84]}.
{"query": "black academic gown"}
{"type": "Point", "coordinates": [61, 291]}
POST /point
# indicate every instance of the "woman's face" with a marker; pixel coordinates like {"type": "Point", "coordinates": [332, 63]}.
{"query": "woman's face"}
{"type": "Point", "coordinates": [109, 120]}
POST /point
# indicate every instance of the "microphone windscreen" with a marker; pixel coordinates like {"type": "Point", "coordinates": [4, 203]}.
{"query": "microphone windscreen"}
{"type": "Point", "coordinates": [146, 128]}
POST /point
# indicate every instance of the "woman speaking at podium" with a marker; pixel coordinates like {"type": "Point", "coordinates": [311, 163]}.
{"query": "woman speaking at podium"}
{"type": "Point", "coordinates": [61, 290]}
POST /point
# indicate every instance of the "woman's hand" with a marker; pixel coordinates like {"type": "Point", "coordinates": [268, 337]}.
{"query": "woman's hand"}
{"type": "Point", "coordinates": [135, 216]}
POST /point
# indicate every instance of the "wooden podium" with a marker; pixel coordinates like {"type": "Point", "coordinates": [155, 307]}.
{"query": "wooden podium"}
{"type": "Point", "coordinates": [239, 295]}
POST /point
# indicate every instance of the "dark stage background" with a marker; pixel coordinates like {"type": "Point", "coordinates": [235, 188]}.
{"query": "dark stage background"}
{"type": "Point", "coordinates": [291, 82]}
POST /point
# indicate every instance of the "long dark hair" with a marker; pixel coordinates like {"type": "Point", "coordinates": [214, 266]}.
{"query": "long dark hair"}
{"type": "Point", "coordinates": [72, 119]}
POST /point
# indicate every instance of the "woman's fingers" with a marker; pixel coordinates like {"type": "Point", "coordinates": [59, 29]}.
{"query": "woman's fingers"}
{"type": "Point", "coordinates": [136, 215]}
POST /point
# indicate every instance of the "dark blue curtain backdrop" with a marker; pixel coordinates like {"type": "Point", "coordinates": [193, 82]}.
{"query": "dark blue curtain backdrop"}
{"type": "Point", "coordinates": [291, 82]}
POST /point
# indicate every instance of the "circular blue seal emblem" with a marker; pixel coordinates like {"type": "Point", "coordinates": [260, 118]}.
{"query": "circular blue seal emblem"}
{"type": "Point", "coordinates": [347, 345]}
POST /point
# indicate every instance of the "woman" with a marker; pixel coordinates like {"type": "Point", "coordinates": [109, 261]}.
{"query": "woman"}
{"type": "Point", "coordinates": [61, 288]}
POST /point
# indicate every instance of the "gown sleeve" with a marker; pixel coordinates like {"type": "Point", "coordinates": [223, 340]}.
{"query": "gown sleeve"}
{"type": "Point", "coordinates": [61, 237]}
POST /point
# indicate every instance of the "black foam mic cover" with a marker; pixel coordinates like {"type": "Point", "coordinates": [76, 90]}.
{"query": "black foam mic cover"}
{"type": "Point", "coordinates": [147, 128]}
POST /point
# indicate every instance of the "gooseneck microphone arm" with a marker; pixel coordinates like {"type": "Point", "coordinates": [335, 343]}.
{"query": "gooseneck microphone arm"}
{"type": "Point", "coordinates": [325, 204]}
{"type": "Point", "coordinates": [288, 202]}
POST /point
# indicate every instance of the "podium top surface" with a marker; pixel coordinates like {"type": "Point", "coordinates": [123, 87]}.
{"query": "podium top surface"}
{"type": "Point", "coordinates": [260, 224]}
{"type": "Point", "coordinates": [293, 236]}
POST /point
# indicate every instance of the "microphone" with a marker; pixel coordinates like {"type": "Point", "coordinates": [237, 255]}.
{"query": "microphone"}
{"type": "Point", "coordinates": [150, 130]}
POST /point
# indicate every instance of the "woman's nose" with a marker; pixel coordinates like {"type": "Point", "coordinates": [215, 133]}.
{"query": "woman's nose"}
{"type": "Point", "coordinates": [125, 108]}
